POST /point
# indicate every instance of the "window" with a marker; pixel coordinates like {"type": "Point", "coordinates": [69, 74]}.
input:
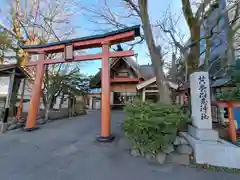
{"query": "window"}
{"type": "Point", "coordinates": [122, 74]}
{"type": "Point", "coordinates": [225, 114]}
{"type": "Point", "coordinates": [123, 97]}
{"type": "Point", "coordinates": [151, 88]}
{"type": "Point", "coordinates": [153, 97]}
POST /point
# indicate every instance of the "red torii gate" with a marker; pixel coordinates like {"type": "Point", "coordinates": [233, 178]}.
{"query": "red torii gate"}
{"type": "Point", "coordinates": [68, 47]}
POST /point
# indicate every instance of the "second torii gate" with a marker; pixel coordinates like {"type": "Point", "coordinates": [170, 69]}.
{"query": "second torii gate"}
{"type": "Point", "coordinates": [105, 41]}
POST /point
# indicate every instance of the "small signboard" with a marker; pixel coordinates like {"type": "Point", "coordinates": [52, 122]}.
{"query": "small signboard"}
{"type": "Point", "coordinates": [69, 52]}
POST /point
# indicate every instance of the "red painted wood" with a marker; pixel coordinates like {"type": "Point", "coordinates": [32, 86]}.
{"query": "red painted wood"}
{"type": "Point", "coordinates": [231, 123]}
{"type": "Point", "coordinates": [36, 94]}
{"type": "Point", "coordinates": [82, 58]}
{"type": "Point", "coordinates": [125, 80]}
{"type": "Point", "coordinates": [105, 43]}
{"type": "Point", "coordinates": [225, 104]}
{"type": "Point", "coordinates": [52, 49]}
{"type": "Point", "coordinates": [114, 39]}
{"type": "Point", "coordinates": [105, 95]}
{"type": "Point", "coordinates": [121, 53]}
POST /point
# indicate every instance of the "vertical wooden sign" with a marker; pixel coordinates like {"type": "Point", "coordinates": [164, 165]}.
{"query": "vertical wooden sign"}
{"type": "Point", "coordinates": [69, 52]}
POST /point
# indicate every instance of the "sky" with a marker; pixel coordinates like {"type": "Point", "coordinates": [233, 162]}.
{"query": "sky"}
{"type": "Point", "coordinates": [157, 10]}
{"type": "Point", "coordinates": [82, 20]}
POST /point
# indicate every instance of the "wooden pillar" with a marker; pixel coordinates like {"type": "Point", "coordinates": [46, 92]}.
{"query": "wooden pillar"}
{"type": "Point", "coordinates": [90, 102]}
{"type": "Point", "coordinates": [232, 128]}
{"type": "Point", "coordinates": [20, 106]}
{"type": "Point", "coordinates": [177, 99]}
{"type": "Point", "coordinates": [143, 95]}
{"type": "Point", "coordinates": [105, 97]}
{"type": "Point", "coordinates": [111, 98]}
{"type": "Point", "coordinates": [181, 99]}
{"type": "Point", "coordinates": [35, 97]}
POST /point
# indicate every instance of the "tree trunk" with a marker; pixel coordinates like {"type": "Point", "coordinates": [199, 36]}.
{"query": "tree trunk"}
{"type": "Point", "coordinates": [155, 54]}
{"type": "Point", "coordinates": [230, 53]}
{"type": "Point", "coordinates": [186, 71]}
{"type": "Point", "coordinates": [73, 106]}
{"type": "Point", "coordinates": [193, 58]}
{"type": "Point", "coordinates": [47, 109]}
{"type": "Point", "coordinates": [61, 101]}
{"type": "Point", "coordinates": [52, 102]}
{"type": "Point", "coordinates": [69, 106]}
{"type": "Point", "coordinates": [207, 54]}
{"type": "Point", "coordinates": [44, 99]}
{"type": "Point", "coordinates": [49, 106]}
{"type": "Point", "coordinates": [163, 88]}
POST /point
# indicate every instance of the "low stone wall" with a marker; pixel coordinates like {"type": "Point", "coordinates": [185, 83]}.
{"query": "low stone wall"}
{"type": "Point", "coordinates": [53, 115]}
{"type": "Point", "coordinates": [177, 153]}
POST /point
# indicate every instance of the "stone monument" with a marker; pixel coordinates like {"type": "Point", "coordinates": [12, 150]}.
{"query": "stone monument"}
{"type": "Point", "coordinates": [201, 107]}
{"type": "Point", "coordinates": [208, 147]}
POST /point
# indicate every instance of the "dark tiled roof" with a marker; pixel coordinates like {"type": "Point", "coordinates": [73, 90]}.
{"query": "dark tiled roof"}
{"type": "Point", "coordinates": [131, 62]}
{"type": "Point", "coordinates": [6, 67]}
{"type": "Point", "coordinates": [221, 82]}
{"type": "Point", "coordinates": [146, 71]}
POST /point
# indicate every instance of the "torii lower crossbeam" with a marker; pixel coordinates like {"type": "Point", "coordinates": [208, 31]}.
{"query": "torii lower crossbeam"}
{"type": "Point", "coordinates": [105, 41]}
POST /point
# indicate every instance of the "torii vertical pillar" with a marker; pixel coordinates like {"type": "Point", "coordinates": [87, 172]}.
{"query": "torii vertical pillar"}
{"type": "Point", "coordinates": [105, 97]}
{"type": "Point", "coordinates": [36, 95]}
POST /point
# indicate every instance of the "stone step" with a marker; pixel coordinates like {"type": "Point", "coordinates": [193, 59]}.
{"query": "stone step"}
{"type": "Point", "coordinates": [217, 153]}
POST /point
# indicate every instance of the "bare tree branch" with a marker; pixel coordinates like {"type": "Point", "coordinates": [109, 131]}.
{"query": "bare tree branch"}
{"type": "Point", "coordinates": [134, 7]}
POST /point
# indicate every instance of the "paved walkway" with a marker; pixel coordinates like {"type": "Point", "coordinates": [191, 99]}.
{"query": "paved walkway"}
{"type": "Point", "coordinates": [67, 150]}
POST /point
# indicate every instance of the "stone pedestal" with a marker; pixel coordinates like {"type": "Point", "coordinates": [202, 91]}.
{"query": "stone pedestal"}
{"type": "Point", "coordinates": [217, 153]}
{"type": "Point", "coordinates": [203, 134]}
{"type": "Point", "coordinates": [208, 147]}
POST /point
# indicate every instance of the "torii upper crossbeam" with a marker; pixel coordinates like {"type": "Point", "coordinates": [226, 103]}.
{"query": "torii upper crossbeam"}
{"type": "Point", "coordinates": [105, 41]}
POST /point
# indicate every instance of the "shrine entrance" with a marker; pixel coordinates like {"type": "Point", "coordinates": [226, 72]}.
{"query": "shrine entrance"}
{"type": "Point", "coordinates": [68, 47]}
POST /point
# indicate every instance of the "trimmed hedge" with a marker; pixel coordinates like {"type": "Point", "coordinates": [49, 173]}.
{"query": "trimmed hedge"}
{"type": "Point", "coordinates": [152, 126]}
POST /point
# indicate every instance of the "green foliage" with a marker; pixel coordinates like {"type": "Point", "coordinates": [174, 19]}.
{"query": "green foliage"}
{"type": "Point", "coordinates": [232, 94]}
{"type": "Point", "coordinates": [5, 43]}
{"type": "Point", "coordinates": [63, 79]}
{"type": "Point", "coordinates": [5, 40]}
{"type": "Point", "coordinates": [234, 73]}
{"type": "Point", "coordinates": [152, 126]}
